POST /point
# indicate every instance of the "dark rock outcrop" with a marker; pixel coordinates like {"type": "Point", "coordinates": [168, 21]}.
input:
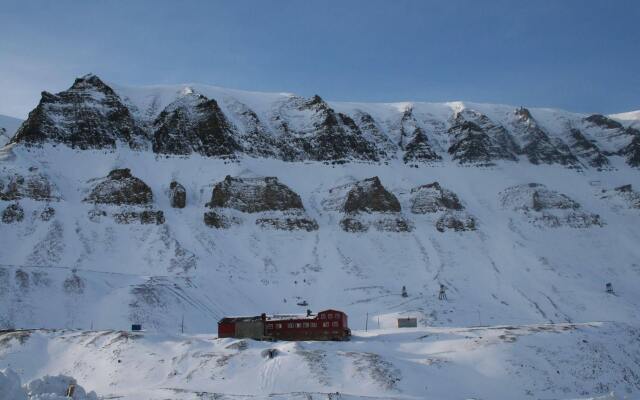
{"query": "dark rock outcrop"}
{"type": "Point", "coordinates": [89, 115]}
{"type": "Point", "coordinates": [368, 196]}
{"type": "Point", "coordinates": [624, 195]}
{"type": "Point", "coordinates": [444, 204]}
{"type": "Point", "coordinates": [142, 217]}
{"type": "Point", "coordinates": [419, 149]}
{"type": "Point", "coordinates": [603, 122]}
{"type": "Point", "coordinates": [536, 144]}
{"type": "Point", "coordinates": [548, 208]}
{"type": "Point", "coordinates": [632, 150]}
{"type": "Point", "coordinates": [47, 213]}
{"type": "Point", "coordinates": [177, 195]}
{"type": "Point", "coordinates": [253, 195]}
{"type": "Point", "coordinates": [587, 150]}
{"type": "Point", "coordinates": [35, 186]}
{"type": "Point", "coordinates": [276, 205]}
{"type": "Point", "coordinates": [477, 140]}
{"type": "Point", "coordinates": [432, 197]}
{"type": "Point", "coordinates": [218, 220]}
{"type": "Point", "coordinates": [194, 124]}
{"type": "Point", "coordinates": [12, 213]}
{"type": "Point", "coordinates": [288, 223]}
{"type": "Point", "coordinates": [119, 188]}
{"type": "Point", "coordinates": [322, 135]}
{"type": "Point", "coordinates": [456, 221]}
{"type": "Point", "coordinates": [351, 224]}
{"type": "Point", "coordinates": [366, 204]}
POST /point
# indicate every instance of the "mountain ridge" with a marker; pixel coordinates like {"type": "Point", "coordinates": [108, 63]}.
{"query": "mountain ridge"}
{"type": "Point", "coordinates": [293, 128]}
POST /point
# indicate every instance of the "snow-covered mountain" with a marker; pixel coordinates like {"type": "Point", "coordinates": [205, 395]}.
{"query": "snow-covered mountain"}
{"type": "Point", "coordinates": [164, 204]}
{"type": "Point", "coordinates": [8, 127]}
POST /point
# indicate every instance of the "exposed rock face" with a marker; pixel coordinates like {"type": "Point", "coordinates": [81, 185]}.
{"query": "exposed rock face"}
{"type": "Point", "coordinates": [276, 205]}
{"type": "Point", "coordinates": [315, 131]}
{"type": "Point", "coordinates": [414, 141]}
{"type": "Point", "coordinates": [419, 149]}
{"type": "Point", "coordinates": [604, 122]}
{"type": "Point", "coordinates": [120, 187]}
{"type": "Point", "coordinates": [367, 203]}
{"type": "Point", "coordinates": [12, 213]}
{"type": "Point", "coordinates": [632, 151]}
{"type": "Point", "coordinates": [142, 217]}
{"type": "Point", "coordinates": [253, 134]}
{"type": "Point", "coordinates": [546, 207]}
{"type": "Point", "coordinates": [368, 196]}
{"type": "Point", "coordinates": [218, 220]}
{"type": "Point", "coordinates": [374, 134]}
{"type": "Point", "coordinates": [613, 138]}
{"type": "Point", "coordinates": [253, 195]}
{"type": "Point", "coordinates": [89, 115]}
{"type": "Point", "coordinates": [288, 224]}
{"type": "Point", "coordinates": [15, 186]}
{"type": "Point", "coordinates": [194, 124]}
{"type": "Point", "coordinates": [432, 198]}
{"type": "Point", "coordinates": [624, 196]}
{"type": "Point", "coordinates": [587, 150]}
{"type": "Point", "coordinates": [349, 224]}
{"type": "Point", "coordinates": [47, 213]}
{"type": "Point", "coordinates": [177, 195]}
{"type": "Point", "coordinates": [456, 221]}
{"type": "Point", "coordinates": [536, 144]}
{"type": "Point", "coordinates": [476, 139]}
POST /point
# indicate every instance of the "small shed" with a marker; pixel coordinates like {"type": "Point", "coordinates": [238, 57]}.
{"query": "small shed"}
{"type": "Point", "coordinates": [407, 322]}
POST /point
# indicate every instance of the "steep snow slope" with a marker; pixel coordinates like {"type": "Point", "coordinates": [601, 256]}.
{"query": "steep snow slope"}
{"type": "Point", "coordinates": [79, 268]}
{"type": "Point", "coordinates": [8, 127]}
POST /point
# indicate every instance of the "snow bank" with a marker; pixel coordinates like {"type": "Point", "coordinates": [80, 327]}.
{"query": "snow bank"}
{"type": "Point", "coordinates": [47, 388]}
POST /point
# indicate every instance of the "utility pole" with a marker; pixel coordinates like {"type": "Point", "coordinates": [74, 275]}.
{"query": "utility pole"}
{"type": "Point", "coordinates": [182, 324]}
{"type": "Point", "coordinates": [366, 323]}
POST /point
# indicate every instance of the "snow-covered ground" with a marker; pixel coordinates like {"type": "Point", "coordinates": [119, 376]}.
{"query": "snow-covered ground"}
{"type": "Point", "coordinates": [540, 361]}
{"type": "Point", "coordinates": [8, 127]}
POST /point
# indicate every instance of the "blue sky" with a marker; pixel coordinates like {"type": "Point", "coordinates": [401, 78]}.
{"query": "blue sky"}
{"type": "Point", "coordinates": [580, 55]}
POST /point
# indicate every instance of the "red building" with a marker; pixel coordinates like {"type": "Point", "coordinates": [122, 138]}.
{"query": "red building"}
{"type": "Point", "coordinates": [325, 325]}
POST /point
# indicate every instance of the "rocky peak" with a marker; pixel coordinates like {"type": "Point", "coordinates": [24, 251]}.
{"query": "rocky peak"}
{"type": "Point", "coordinates": [120, 188]}
{"type": "Point", "coordinates": [536, 144]}
{"type": "Point", "coordinates": [194, 124]}
{"type": "Point", "coordinates": [523, 114]}
{"type": "Point", "coordinates": [586, 149]}
{"type": "Point", "coordinates": [603, 122]}
{"type": "Point", "coordinates": [88, 115]}
{"type": "Point", "coordinates": [432, 198]}
{"type": "Point", "coordinates": [476, 139]}
{"type": "Point", "coordinates": [311, 129]}
{"type": "Point", "coordinates": [369, 195]}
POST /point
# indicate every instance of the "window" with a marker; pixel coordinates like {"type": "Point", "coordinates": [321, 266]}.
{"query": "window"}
{"type": "Point", "coordinates": [330, 316]}
{"type": "Point", "coordinates": [314, 325]}
{"type": "Point", "coordinates": [278, 326]}
{"type": "Point", "coordinates": [269, 326]}
{"type": "Point", "coordinates": [335, 323]}
{"type": "Point", "coordinates": [323, 316]}
{"type": "Point", "coordinates": [305, 325]}
{"type": "Point", "coordinates": [325, 324]}
{"type": "Point", "coordinates": [298, 325]}
{"type": "Point", "coordinates": [290, 325]}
